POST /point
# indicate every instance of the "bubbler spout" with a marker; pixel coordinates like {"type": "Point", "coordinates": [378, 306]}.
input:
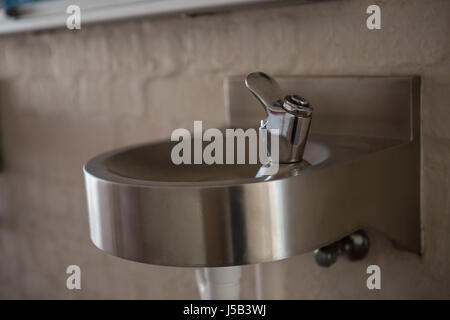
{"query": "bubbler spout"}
{"type": "Point", "coordinates": [289, 114]}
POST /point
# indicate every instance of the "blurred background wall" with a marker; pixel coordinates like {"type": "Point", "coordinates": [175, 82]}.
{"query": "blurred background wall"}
{"type": "Point", "coordinates": [66, 96]}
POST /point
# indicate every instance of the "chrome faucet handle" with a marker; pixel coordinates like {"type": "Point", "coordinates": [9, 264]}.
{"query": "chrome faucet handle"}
{"type": "Point", "coordinates": [266, 90]}
{"type": "Point", "coordinates": [290, 114]}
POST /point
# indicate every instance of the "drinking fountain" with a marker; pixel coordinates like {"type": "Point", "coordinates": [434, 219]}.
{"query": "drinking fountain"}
{"type": "Point", "coordinates": [358, 168]}
{"type": "Point", "coordinates": [290, 115]}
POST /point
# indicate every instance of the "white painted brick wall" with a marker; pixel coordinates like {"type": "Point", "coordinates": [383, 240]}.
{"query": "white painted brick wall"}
{"type": "Point", "coordinates": [66, 96]}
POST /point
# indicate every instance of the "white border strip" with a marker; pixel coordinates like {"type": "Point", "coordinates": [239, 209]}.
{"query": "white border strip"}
{"type": "Point", "coordinates": [51, 14]}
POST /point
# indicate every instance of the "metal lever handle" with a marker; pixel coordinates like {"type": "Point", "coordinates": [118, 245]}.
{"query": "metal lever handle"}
{"type": "Point", "coordinates": [266, 90]}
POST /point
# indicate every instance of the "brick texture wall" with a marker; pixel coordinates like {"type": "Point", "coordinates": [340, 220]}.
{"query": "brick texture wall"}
{"type": "Point", "coordinates": [66, 96]}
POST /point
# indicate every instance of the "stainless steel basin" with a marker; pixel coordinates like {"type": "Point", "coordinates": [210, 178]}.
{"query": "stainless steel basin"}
{"type": "Point", "coordinates": [144, 208]}
{"type": "Point", "coordinates": [150, 164]}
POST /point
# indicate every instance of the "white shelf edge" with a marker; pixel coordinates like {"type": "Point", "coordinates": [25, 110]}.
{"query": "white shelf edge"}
{"type": "Point", "coordinates": [53, 15]}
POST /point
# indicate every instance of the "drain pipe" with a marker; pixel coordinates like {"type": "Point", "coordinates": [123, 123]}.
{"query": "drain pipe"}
{"type": "Point", "coordinates": [258, 282]}
{"type": "Point", "coordinates": [218, 283]}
